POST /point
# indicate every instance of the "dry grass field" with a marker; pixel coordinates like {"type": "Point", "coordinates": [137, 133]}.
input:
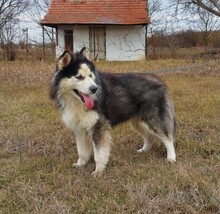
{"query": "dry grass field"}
{"type": "Point", "coordinates": [37, 151]}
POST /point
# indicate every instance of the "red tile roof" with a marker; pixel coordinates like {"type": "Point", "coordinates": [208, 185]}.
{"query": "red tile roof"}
{"type": "Point", "coordinates": [115, 12]}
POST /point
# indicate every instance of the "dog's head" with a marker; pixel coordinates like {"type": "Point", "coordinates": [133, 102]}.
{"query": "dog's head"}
{"type": "Point", "coordinates": [75, 76]}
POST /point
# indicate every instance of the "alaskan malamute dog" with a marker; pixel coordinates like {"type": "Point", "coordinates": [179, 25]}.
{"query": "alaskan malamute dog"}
{"type": "Point", "coordinates": [91, 102]}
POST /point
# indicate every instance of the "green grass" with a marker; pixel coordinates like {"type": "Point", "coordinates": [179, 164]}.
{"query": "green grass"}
{"type": "Point", "coordinates": [36, 150]}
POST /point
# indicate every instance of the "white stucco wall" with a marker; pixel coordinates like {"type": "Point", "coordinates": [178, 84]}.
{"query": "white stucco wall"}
{"type": "Point", "coordinates": [60, 44]}
{"type": "Point", "coordinates": [123, 43]}
{"type": "Point", "coordinates": [81, 37]}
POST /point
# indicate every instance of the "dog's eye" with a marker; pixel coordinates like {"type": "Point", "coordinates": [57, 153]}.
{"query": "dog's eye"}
{"type": "Point", "coordinates": [80, 77]}
{"type": "Point", "coordinates": [90, 75]}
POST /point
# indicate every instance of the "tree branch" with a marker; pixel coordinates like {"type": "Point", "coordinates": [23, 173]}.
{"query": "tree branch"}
{"type": "Point", "coordinates": [216, 3]}
{"type": "Point", "coordinates": [201, 4]}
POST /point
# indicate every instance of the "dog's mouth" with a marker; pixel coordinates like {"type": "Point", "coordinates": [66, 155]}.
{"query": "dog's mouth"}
{"type": "Point", "coordinates": [85, 98]}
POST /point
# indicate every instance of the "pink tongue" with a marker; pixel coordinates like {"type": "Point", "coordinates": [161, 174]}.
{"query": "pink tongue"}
{"type": "Point", "coordinates": [88, 101]}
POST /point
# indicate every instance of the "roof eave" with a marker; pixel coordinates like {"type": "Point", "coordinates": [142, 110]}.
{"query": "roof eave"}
{"type": "Point", "coordinates": [51, 24]}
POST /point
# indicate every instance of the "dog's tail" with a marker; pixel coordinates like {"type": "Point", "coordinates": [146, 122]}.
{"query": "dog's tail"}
{"type": "Point", "coordinates": [174, 128]}
{"type": "Point", "coordinates": [170, 121]}
{"type": "Point", "coordinates": [175, 124]}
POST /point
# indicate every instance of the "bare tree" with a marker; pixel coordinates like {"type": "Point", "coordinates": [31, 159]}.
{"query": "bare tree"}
{"type": "Point", "coordinates": [154, 7]}
{"type": "Point", "coordinates": [212, 6]}
{"type": "Point", "coordinates": [41, 7]}
{"type": "Point", "coordinates": [203, 16]}
{"type": "Point", "coordinates": [10, 10]}
{"type": "Point", "coordinates": [208, 24]}
{"type": "Point", "coordinates": [8, 34]}
{"type": "Point", "coordinates": [37, 11]}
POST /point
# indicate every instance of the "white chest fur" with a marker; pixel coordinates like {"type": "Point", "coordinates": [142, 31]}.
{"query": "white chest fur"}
{"type": "Point", "coordinates": [75, 115]}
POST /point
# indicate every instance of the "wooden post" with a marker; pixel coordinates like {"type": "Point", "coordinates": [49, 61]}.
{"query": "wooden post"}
{"type": "Point", "coordinates": [146, 38]}
{"type": "Point", "coordinates": [53, 43]}
{"type": "Point", "coordinates": [146, 42]}
{"type": "Point", "coordinates": [27, 45]}
{"type": "Point", "coordinates": [43, 44]}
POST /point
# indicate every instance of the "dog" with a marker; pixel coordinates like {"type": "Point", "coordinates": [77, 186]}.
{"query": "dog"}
{"type": "Point", "coordinates": [91, 102]}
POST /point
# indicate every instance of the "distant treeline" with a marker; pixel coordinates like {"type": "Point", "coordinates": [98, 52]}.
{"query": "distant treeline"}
{"type": "Point", "coordinates": [185, 39]}
{"type": "Point", "coordinates": [184, 44]}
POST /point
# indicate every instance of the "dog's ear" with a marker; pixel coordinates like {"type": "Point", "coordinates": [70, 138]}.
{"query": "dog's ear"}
{"type": "Point", "coordinates": [64, 60]}
{"type": "Point", "coordinates": [96, 59]}
{"type": "Point", "coordinates": [84, 52]}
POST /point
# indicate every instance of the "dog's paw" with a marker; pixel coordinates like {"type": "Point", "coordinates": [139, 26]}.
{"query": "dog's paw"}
{"type": "Point", "coordinates": [77, 165]}
{"type": "Point", "coordinates": [96, 174]}
{"type": "Point", "coordinates": [171, 160]}
{"type": "Point", "coordinates": [140, 151]}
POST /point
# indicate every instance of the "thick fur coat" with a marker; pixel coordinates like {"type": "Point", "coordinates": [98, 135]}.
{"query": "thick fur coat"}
{"type": "Point", "coordinates": [91, 102]}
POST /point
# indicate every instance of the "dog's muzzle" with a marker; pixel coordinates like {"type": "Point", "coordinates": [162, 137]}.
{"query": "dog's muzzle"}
{"type": "Point", "coordinates": [87, 98]}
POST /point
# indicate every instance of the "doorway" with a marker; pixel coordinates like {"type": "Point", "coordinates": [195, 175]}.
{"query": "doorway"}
{"type": "Point", "coordinates": [97, 42]}
{"type": "Point", "coordinates": [68, 40]}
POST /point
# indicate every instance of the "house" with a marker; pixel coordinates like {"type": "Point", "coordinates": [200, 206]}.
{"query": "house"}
{"type": "Point", "coordinates": [115, 30]}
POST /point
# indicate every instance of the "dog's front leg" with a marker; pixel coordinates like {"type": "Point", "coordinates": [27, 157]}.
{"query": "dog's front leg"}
{"type": "Point", "coordinates": [101, 146]}
{"type": "Point", "coordinates": [84, 147]}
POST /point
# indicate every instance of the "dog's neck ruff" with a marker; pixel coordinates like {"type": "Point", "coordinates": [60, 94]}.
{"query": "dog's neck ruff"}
{"type": "Point", "coordinates": [74, 113]}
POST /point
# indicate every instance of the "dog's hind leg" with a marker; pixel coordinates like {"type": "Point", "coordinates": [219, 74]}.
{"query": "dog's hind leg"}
{"type": "Point", "coordinates": [143, 131]}
{"type": "Point", "coordinates": [169, 144]}
{"type": "Point", "coordinates": [159, 118]}
{"type": "Point", "coordinates": [84, 147]}
{"type": "Point", "coordinates": [168, 141]}
{"type": "Point", "coordinates": [166, 137]}
{"type": "Point", "coordinates": [101, 146]}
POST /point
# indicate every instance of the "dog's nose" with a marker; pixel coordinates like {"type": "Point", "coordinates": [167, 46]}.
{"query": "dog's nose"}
{"type": "Point", "coordinates": [93, 89]}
